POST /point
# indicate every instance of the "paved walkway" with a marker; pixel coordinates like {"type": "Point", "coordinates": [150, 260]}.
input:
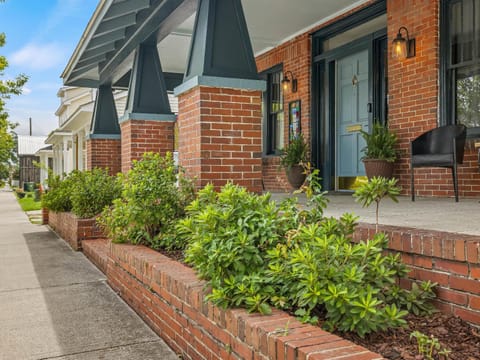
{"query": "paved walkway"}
{"type": "Point", "coordinates": [54, 304]}
{"type": "Point", "coordinates": [440, 214]}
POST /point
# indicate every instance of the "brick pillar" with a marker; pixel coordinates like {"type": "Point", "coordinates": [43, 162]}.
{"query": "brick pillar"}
{"type": "Point", "coordinates": [104, 153]}
{"type": "Point", "coordinates": [413, 87]}
{"type": "Point", "coordinates": [220, 136]}
{"type": "Point", "coordinates": [141, 136]}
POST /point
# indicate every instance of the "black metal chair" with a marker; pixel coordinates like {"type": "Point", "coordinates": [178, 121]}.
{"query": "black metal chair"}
{"type": "Point", "coordinates": [439, 147]}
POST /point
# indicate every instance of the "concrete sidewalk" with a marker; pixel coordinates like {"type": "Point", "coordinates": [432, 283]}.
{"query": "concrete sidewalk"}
{"type": "Point", "coordinates": [54, 304]}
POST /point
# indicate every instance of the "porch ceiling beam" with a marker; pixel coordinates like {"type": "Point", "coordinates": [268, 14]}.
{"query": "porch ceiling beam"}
{"type": "Point", "coordinates": [86, 83]}
{"type": "Point", "coordinates": [126, 7]}
{"type": "Point", "coordinates": [98, 41]}
{"type": "Point", "coordinates": [78, 73]}
{"type": "Point", "coordinates": [120, 22]}
{"type": "Point", "coordinates": [160, 19]}
{"type": "Point", "coordinates": [85, 64]}
{"type": "Point", "coordinates": [94, 53]}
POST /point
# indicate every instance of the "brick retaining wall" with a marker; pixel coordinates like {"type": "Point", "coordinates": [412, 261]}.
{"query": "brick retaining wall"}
{"type": "Point", "coordinates": [449, 259]}
{"type": "Point", "coordinates": [169, 297]}
{"type": "Point", "coordinates": [73, 229]}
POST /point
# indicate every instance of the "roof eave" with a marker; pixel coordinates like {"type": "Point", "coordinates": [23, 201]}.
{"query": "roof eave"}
{"type": "Point", "coordinates": [92, 25]}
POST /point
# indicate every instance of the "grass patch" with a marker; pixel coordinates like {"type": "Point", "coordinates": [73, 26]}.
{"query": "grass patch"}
{"type": "Point", "coordinates": [28, 203]}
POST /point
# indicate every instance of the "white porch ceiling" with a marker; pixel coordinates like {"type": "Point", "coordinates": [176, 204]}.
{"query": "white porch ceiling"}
{"type": "Point", "coordinates": [270, 23]}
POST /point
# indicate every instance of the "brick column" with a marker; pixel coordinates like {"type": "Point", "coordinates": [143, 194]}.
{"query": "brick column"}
{"type": "Point", "coordinates": [104, 153]}
{"type": "Point", "coordinates": [220, 136]}
{"type": "Point", "coordinates": [141, 136]}
{"type": "Point", "coordinates": [413, 87]}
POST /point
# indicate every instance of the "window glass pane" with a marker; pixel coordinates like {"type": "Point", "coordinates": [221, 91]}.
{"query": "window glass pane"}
{"type": "Point", "coordinates": [467, 35]}
{"type": "Point", "coordinates": [468, 96]}
{"type": "Point", "coordinates": [279, 131]}
{"type": "Point", "coordinates": [275, 118]}
{"type": "Point", "coordinates": [455, 33]}
{"type": "Point", "coordinates": [359, 31]}
{"type": "Point", "coordinates": [476, 11]}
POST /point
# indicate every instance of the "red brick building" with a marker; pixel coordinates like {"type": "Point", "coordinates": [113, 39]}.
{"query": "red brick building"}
{"type": "Point", "coordinates": [225, 60]}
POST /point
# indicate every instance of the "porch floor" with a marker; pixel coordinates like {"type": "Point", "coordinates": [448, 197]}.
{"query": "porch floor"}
{"type": "Point", "coordinates": [439, 214]}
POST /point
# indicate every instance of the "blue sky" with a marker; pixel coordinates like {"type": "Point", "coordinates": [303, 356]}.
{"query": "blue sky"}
{"type": "Point", "coordinates": [41, 36]}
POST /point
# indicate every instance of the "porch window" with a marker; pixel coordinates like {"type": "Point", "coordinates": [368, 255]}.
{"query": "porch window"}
{"type": "Point", "coordinates": [273, 112]}
{"type": "Point", "coordinates": [463, 63]}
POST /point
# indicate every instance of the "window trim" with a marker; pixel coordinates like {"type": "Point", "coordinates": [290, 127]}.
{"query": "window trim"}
{"type": "Point", "coordinates": [446, 93]}
{"type": "Point", "coordinates": [266, 151]}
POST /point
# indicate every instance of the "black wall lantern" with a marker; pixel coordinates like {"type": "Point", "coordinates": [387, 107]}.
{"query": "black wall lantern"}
{"type": "Point", "coordinates": [286, 82]}
{"type": "Point", "coordinates": [403, 48]}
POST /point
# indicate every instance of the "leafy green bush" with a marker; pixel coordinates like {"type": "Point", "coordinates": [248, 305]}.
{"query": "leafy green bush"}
{"type": "Point", "coordinates": [152, 200]}
{"type": "Point", "coordinates": [92, 191]}
{"type": "Point", "coordinates": [85, 193]}
{"type": "Point", "coordinates": [255, 253]}
{"type": "Point", "coordinates": [229, 233]}
{"type": "Point", "coordinates": [57, 198]}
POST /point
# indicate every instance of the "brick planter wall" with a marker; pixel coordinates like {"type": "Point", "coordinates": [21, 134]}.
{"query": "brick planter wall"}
{"type": "Point", "coordinates": [449, 259]}
{"type": "Point", "coordinates": [73, 229]}
{"type": "Point", "coordinates": [44, 216]}
{"type": "Point", "coordinates": [169, 297]}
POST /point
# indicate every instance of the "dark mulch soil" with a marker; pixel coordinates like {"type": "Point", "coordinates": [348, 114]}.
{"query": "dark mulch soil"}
{"type": "Point", "coordinates": [453, 333]}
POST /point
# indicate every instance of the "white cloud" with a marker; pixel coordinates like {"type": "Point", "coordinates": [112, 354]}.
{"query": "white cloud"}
{"type": "Point", "coordinates": [39, 56]}
{"type": "Point", "coordinates": [26, 90]}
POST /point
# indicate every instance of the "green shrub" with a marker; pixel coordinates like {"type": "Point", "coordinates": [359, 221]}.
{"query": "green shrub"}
{"type": "Point", "coordinates": [229, 233]}
{"type": "Point", "coordinates": [255, 253]}
{"type": "Point", "coordinates": [57, 198]}
{"type": "Point", "coordinates": [152, 200]}
{"type": "Point", "coordinates": [92, 191]}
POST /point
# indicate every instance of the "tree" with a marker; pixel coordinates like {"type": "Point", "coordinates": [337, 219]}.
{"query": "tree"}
{"type": "Point", "coordinates": [8, 87]}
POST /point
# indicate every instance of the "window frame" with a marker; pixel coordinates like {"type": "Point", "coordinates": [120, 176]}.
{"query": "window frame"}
{"type": "Point", "coordinates": [447, 86]}
{"type": "Point", "coordinates": [269, 134]}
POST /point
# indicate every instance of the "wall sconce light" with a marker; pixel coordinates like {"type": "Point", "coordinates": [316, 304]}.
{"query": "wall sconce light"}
{"type": "Point", "coordinates": [403, 48]}
{"type": "Point", "coordinates": [286, 82]}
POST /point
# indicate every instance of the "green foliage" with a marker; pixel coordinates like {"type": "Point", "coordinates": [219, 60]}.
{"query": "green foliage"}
{"type": "Point", "coordinates": [429, 347]}
{"type": "Point", "coordinates": [28, 203]}
{"type": "Point", "coordinates": [7, 88]}
{"type": "Point", "coordinates": [92, 191]}
{"type": "Point", "coordinates": [320, 270]}
{"type": "Point", "coordinates": [85, 193]}
{"type": "Point", "coordinates": [295, 152]}
{"type": "Point", "coordinates": [380, 143]}
{"type": "Point", "coordinates": [57, 198]}
{"type": "Point", "coordinates": [376, 189]}
{"type": "Point", "coordinates": [229, 233]}
{"type": "Point", "coordinates": [150, 204]}
{"type": "Point", "coordinates": [255, 253]}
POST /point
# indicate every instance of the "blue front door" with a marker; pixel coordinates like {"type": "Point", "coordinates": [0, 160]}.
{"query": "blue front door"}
{"type": "Point", "coordinates": [352, 113]}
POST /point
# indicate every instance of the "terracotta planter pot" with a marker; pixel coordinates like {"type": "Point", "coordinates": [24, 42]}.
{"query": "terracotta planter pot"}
{"type": "Point", "coordinates": [375, 167]}
{"type": "Point", "coordinates": [296, 176]}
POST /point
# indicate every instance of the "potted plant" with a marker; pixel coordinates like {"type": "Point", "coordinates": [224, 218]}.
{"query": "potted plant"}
{"type": "Point", "coordinates": [293, 158]}
{"type": "Point", "coordinates": [380, 152]}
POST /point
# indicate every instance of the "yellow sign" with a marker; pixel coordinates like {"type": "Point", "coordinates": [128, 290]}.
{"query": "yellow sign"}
{"type": "Point", "coordinates": [354, 128]}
